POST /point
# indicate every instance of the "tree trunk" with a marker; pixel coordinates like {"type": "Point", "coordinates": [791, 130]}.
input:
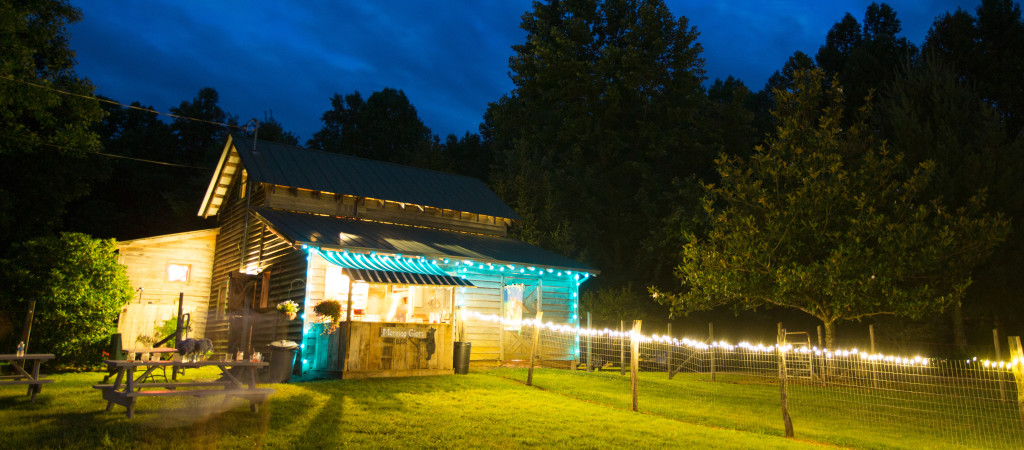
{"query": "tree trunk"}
{"type": "Point", "coordinates": [959, 335]}
{"type": "Point", "coordinates": [830, 334]}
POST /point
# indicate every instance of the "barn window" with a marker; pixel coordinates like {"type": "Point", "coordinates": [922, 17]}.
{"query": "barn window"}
{"type": "Point", "coordinates": [178, 272]}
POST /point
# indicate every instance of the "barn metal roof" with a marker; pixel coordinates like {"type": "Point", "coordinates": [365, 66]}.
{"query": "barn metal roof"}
{"type": "Point", "coordinates": [341, 233]}
{"type": "Point", "coordinates": [297, 167]}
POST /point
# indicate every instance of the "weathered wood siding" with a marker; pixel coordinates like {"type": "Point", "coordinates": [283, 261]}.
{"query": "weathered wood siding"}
{"type": "Point", "coordinates": [558, 301]}
{"type": "Point", "coordinates": [304, 200]}
{"type": "Point", "coordinates": [147, 261]}
{"type": "Point", "coordinates": [263, 249]}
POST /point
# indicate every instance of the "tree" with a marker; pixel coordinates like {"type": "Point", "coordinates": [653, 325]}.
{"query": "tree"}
{"type": "Point", "coordinates": [272, 130]}
{"type": "Point", "coordinates": [865, 56]}
{"type": "Point", "coordinates": [930, 113]}
{"type": "Point", "coordinates": [987, 50]}
{"type": "Point", "coordinates": [825, 220]}
{"type": "Point", "coordinates": [385, 127]}
{"type": "Point", "coordinates": [46, 135]}
{"type": "Point", "coordinates": [78, 287]}
{"type": "Point", "coordinates": [597, 131]}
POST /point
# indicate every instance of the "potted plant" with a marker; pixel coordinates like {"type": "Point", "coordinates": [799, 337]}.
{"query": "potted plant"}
{"type": "Point", "coordinates": [329, 312]}
{"type": "Point", "coordinates": [289, 308]}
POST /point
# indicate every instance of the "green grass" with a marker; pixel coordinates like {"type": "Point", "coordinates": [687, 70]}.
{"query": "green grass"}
{"type": "Point", "coordinates": [854, 417]}
{"type": "Point", "coordinates": [479, 410]}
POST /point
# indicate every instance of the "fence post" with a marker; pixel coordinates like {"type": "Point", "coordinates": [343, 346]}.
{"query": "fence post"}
{"type": "Point", "coordinates": [874, 369]}
{"type": "Point", "coordinates": [1018, 371]}
{"type": "Point", "coordinates": [634, 363]}
{"type": "Point", "coordinates": [711, 337]}
{"type": "Point", "coordinates": [622, 348]}
{"type": "Point", "coordinates": [590, 354]}
{"type": "Point", "coordinates": [533, 348]}
{"type": "Point", "coordinates": [784, 395]}
{"type": "Point", "coordinates": [668, 358]}
{"type": "Point", "coordinates": [999, 357]}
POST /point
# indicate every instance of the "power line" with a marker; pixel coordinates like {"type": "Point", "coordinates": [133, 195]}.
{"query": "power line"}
{"type": "Point", "coordinates": [92, 97]}
{"type": "Point", "coordinates": [86, 152]}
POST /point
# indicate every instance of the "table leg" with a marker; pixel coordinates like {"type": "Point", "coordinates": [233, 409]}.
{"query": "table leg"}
{"type": "Point", "coordinates": [35, 388]}
{"type": "Point", "coordinates": [117, 385]}
{"type": "Point", "coordinates": [131, 408]}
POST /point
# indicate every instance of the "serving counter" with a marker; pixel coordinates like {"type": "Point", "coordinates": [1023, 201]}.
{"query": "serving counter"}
{"type": "Point", "coordinates": [381, 349]}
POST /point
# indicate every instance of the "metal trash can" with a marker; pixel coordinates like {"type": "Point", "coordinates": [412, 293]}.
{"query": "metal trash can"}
{"type": "Point", "coordinates": [282, 359]}
{"type": "Point", "coordinates": [460, 360]}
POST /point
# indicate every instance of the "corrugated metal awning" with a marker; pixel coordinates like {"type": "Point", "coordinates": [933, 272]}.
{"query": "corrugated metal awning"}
{"type": "Point", "coordinates": [372, 268]}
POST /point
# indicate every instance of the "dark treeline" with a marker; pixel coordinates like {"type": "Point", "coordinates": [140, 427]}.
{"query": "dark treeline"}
{"type": "Point", "coordinates": [602, 147]}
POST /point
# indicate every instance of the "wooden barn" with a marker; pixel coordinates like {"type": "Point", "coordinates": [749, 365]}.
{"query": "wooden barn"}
{"type": "Point", "coordinates": [160, 269]}
{"type": "Point", "coordinates": [405, 251]}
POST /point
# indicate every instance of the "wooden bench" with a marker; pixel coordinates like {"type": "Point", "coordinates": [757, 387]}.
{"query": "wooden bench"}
{"type": "Point", "coordinates": [127, 388]}
{"type": "Point", "coordinates": [23, 377]}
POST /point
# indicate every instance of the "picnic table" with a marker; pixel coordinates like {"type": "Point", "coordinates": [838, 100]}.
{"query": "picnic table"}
{"type": "Point", "coordinates": [23, 377]}
{"type": "Point", "coordinates": [128, 387]}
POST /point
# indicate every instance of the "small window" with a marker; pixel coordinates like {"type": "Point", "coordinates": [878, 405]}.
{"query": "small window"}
{"type": "Point", "coordinates": [178, 272]}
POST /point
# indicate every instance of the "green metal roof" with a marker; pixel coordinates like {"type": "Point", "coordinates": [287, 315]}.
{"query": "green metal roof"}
{"type": "Point", "coordinates": [286, 165]}
{"type": "Point", "coordinates": [340, 233]}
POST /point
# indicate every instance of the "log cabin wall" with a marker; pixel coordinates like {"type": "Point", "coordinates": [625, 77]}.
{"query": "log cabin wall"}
{"type": "Point", "coordinates": [264, 249]}
{"type": "Point", "coordinates": [147, 261]}
{"type": "Point", "coordinates": [558, 300]}
{"type": "Point", "coordinates": [304, 200]}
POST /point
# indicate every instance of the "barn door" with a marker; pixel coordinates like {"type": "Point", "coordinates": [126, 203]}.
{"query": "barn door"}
{"type": "Point", "coordinates": [516, 343]}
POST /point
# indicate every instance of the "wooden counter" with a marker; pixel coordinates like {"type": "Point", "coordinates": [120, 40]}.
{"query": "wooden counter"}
{"type": "Point", "coordinates": [383, 349]}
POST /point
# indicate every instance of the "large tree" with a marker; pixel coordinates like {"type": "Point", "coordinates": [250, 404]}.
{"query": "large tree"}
{"type": "Point", "coordinates": [385, 126]}
{"type": "Point", "coordinates": [827, 220]}
{"type": "Point", "coordinates": [46, 134]}
{"type": "Point", "coordinates": [599, 129]}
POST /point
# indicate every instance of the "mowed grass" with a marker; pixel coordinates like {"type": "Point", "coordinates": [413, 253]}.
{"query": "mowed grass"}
{"type": "Point", "coordinates": [859, 418]}
{"type": "Point", "coordinates": [479, 410]}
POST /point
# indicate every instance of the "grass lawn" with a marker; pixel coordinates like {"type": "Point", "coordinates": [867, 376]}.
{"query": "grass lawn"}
{"type": "Point", "coordinates": [858, 418]}
{"type": "Point", "coordinates": [479, 410]}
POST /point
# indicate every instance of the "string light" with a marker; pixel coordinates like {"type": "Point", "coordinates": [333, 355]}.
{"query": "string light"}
{"type": "Point", "coordinates": [726, 346]}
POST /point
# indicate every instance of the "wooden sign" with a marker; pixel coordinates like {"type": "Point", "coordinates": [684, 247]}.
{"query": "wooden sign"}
{"type": "Point", "coordinates": [402, 333]}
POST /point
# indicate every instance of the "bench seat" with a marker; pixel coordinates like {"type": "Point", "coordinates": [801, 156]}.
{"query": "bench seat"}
{"type": "Point", "coordinates": [203, 393]}
{"type": "Point", "coordinates": [169, 384]}
{"type": "Point", "coordinates": [32, 382]}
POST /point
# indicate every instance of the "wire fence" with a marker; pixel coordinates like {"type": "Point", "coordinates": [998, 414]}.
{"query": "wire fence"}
{"type": "Point", "coordinates": [844, 397]}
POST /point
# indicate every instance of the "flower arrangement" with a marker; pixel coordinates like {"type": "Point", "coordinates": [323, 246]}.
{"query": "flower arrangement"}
{"type": "Point", "coordinates": [329, 311]}
{"type": "Point", "coordinates": [288, 308]}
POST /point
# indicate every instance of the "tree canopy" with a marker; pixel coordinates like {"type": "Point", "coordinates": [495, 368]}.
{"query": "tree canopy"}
{"type": "Point", "coordinates": [827, 220]}
{"type": "Point", "coordinates": [592, 144]}
{"type": "Point", "coordinates": [47, 136]}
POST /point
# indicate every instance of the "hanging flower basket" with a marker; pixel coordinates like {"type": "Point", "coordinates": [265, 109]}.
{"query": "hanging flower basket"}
{"type": "Point", "coordinates": [289, 308]}
{"type": "Point", "coordinates": [329, 312]}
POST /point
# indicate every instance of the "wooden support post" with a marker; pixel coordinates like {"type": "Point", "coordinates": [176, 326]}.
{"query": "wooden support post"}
{"type": "Point", "coordinates": [874, 364]}
{"type": "Point", "coordinates": [26, 331]}
{"type": "Point", "coordinates": [501, 328]}
{"type": "Point", "coordinates": [784, 395]}
{"type": "Point", "coordinates": [668, 358]}
{"type": "Point", "coordinates": [999, 357]}
{"type": "Point", "coordinates": [534, 347]}
{"type": "Point", "coordinates": [590, 354]}
{"type": "Point", "coordinates": [711, 338]}
{"type": "Point", "coordinates": [1017, 353]}
{"type": "Point", "coordinates": [634, 363]}
{"type": "Point", "coordinates": [622, 348]}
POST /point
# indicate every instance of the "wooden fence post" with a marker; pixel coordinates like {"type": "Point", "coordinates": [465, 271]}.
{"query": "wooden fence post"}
{"type": "Point", "coordinates": [668, 358]}
{"type": "Point", "coordinates": [999, 357]}
{"type": "Point", "coordinates": [533, 348]}
{"type": "Point", "coordinates": [784, 395]}
{"type": "Point", "coordinates": [590, 354]}
{"type": "Point", "coordinates": [874, 364]}
{"type": "Point", "coordinates": [1017, 354]}
{"type": "Point", "coordinates": [711, 337]}
{"type": "Point", "coordinates": [622, 348]}
{"type": "Point", "coordinates": [634, 363]}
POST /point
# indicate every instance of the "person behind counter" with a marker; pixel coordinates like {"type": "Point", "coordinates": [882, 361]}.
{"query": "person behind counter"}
{"type": "Point", "coordinates": [400, 312]}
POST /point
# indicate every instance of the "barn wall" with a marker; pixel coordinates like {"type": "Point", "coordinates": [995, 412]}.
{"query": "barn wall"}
{"type": "Point", "coordinates": [265, 250]}
{"type": "Point", "coordinates": [558, 301]}
{"type": "Point", "coordinates": [146, 261]}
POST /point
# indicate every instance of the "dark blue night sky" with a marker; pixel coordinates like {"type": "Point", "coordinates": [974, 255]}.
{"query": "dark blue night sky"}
{"type": "Point", "coordinates": [450, 57]}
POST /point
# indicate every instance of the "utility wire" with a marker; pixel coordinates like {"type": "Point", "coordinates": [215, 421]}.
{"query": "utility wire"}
{"type": "Point", "coordinates": [92, 97]}
{"type": "Point", "coordinates": [207, 169]}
